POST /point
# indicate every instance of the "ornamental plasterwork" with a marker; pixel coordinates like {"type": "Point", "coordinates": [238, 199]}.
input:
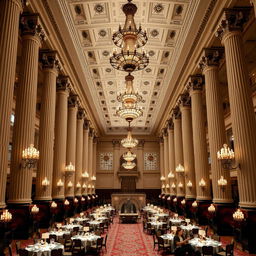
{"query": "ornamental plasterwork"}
{"type": "Point", "coordinates": [150, 161]}
{"type": "Point", "coordinates": [106, 161]}
{"type": "Point", "coordinates": [93, 23]}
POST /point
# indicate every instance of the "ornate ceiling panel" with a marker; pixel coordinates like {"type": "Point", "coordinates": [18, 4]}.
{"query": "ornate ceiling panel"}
{"type": "Point", "coordinates": [94, 23]}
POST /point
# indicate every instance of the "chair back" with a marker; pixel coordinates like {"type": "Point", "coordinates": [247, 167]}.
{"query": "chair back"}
{"type": "Point", "coordinates": [57, 252]}
{"type": "Point", "coordinates": [216, 237]}
{"type": "Point", "coordinates": [195, 231]}
{"type": "Point", "coordinates": [230, 249]}
{"type": "Point", "coordinates": [17, 246]}
{"type": "Point", "coordinates": [160, 241]}
{"type": "Point", "coordinates": [207, 250]}
{"type": "Point", "coordinates": [52, 236]}
{"type": "Point", "coordinates": [76, 243]}
{"type": "Point", "coordinates": [105, 241]}
{"type": "Point", "coordinates": [99, 242]}
{"type": "Point", "coordinates": [23, 252]}
{"type": "Point", "coordinates": [76, 229]}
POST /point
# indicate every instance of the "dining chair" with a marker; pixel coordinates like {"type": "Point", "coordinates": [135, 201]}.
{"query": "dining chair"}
{"type": "Point", "coordinates": [23, 252]}
{"type": "Point", "coordinates": [162, 245]}
{"type": "Point", "coordinates": [207, 251]}
{"type": "Point", "coordinates": [56, 252]}
{"type": "Point", "coordinates": [228, 251]}
{"type": "Point", "coordinates": [53, 237]}
{"type": "Point", "coordinates": [155, 240]}
{"type": "Point", "coordinates": [17, 246]}
{"type": "Point", "coordinates": [10, 249]}
{"type": "Point", "coordinates": [216, 237]}
{"type": "Point", "coordinates": [76, 247]}
{"type": "Point", "coordinates": [104, 244]}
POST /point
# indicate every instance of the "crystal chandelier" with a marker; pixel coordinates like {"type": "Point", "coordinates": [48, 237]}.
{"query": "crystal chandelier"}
{"type": "Point", "coordinates": [129, 156]}
{"type": "Point", "coordinates": [129, 141]}
{"type": "Point", "coordinates": [128, 165]}
{"type": "Point", "coordinates": [129, 39]}
{"type": "Point", "coordinates": [129, 113]}
{"type": "Point", "coordinates": [30, 157]}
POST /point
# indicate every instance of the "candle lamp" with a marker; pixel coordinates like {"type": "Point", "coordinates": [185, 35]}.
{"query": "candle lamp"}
{"type": "Point", "coordinates": [76, 200]}
{"type": "Point", "coordinates": [180, 169]}
{"type": "Point", "coordinates": [227, 158]}
{"type": "Point", "coordinates": [180, 185]}
{"type": "Point", "coordinates": [70, 169]}
{"type": "Point", "coordinates": [82, 199]}
{"type": "Point", "coordinates": [183, 202]}
{"type": "Point", "coordinates": [162, 178]}
{"type": "Point", "coordinates": [70, 184]}
{"type": "Point", "coordinates": [60, 183]}
{"type": "Point", "coordinates": [222, 183]}
{"type": "Point", "coordinates": [238, 216]}
{"type": "Point", "coordinates": [211, 209]}
{"type": "Point", "coordinates": [85, 175]}
{"type": "Point", "coordinates": [66, 202]}
{"type": "Point", "coordinates": [169, 198]}
{"type": "Point", "coordinates": [78, 185]}
{"type": "Point", "coordinates": [53, 205]}
{"type": "Point", "coordinates": [173, 186]}
{"type": "Point", "coordinates": [45, 182]}
{"type": "Point", "coordinates": [171, 175]}
{"type": "Point", "coordinates": [174, 199]}
{"type": "Point", "coordinates": [30, 157]}
{"type": "Point", "coordinates": [194, 204]}
{"type": "Point", "coordinates": [93, 178]}
{"type": "Point", "coordinates": [34, 209]}
{"type": "Point", "coordinates": [6, 216]}
{"type": "Point", "coordinates": [189, 184]}
{"type": "Point", "coordinates": [202, 183]}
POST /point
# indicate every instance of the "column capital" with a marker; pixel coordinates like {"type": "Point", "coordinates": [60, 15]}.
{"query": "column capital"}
{"type": "Point", "coordinates": [176, 114]}
{"type": "Point", "coordinates": [50, 59]}
{"type": "Point", "coordinates": [232, 20]}
{"type": "Point", "coordinates": [30, 24]}
{"type": "Point", "coordinates": [63, 83]}
{"type": "Point", "coordinates": [81, 113]}
{"type": "Point", "coordinates": [116, 143]}
{"type": "Point", "coordinates": [195, 83]}
{"type": "Point", "coordinates": [184, 100]}
{"type": "Point", "coordinates": [170, 124]}
{"type": "Point", "coordinates": [211, 57]}
{"type": "Point", "coordinates": [164, 133]}
{"type": "Point", "coordinates": [73, 101]}
{"type": "Point", "coordinates": [161, 140]}
{"type": "Point", "coordinates": [86, 124]}
{"type": "Point", "coordinates": [141, 143]}
{"type": "Point", "coordinates": [91, 132]}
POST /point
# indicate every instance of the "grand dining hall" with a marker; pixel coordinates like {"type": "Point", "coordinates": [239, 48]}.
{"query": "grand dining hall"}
{"type": "Point", "coordinates": [128, 127]}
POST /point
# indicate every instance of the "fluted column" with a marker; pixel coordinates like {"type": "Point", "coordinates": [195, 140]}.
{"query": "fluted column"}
{"type": "Point", "coordinates": [178, 147]}
{"type": "Point", "coordinates": [195, 85]}
{"type": "Point", "coordinates": [79, 151]}
{"type": "Point", "coordinates": [50, 65]}
{"type": "Point", "coordinates": [140, 167]}
{"type": "Point", "coordinates": [25, 114]}
{"type": "Point", "coordinates": [116, 149]}
{"type": "Point", "coordinates": [71, 143]}
{"type": "Point", "coordinates": [9, 20]}
{"type": "Point", "coordinates": [209, 64]}
{"type": "Point", "coordinates": [188, 148]}
{"type": "Point", "coordinates": [90, 154]}
{"type": "Point", "coordinates": [241, 107]}
{"type": "Point", "coordinates": [253, 2]}
{"type": "Point", "coordinates": [172, 174]}
{"type": "Point", "coordinates": [166, 160]}
{"type": "Point", "coordinates": [85, 156]}
{"type": "Point", "coordinates": [161, 142]}
{"type": "Point", "coordinates": [94, 169]}
{"type": "Point", "coordinates": [60, 137]}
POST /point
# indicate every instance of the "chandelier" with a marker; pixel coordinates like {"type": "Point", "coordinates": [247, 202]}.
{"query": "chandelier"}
{"type": "Point", "coordinates": [129, 141]}
{"type": "Point", "coordinates": [129, 156]}
{"type": "Point", "coordinates": [128, 165]}
{"type": "Point", "coordinates": [129, 114]}
{"type": "Point", "coordinates": [129, 39]}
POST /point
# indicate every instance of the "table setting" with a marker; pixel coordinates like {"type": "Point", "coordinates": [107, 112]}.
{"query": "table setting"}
{"type": "Point", "coordinates": [87, 239]}
{"type": "Point", "coordinates": [198, 243]}
{"type": "Point", "coordinates": [43, 248]}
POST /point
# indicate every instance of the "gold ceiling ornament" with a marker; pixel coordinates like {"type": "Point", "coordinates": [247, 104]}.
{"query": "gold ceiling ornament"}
{"type": "Point", "coordinates": [129, 142]}
{"type": "Point", "coordinates": [129, 39]}
{"type": "Point", "coordinates": [129, 156]}
{"type": "Point", "coordinates": [128, 165]}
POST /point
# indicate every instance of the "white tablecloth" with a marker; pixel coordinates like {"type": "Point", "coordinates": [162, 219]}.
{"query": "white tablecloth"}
{"type": "Point", "coordinates": [71, 226]}
{"type": "Point", "coordinates": [168, 239]}
{"type": "Point", "coordinates": [188, 229]}
{"type": "Point", "coordinates": [43, 249]}
{"type": "Point", "coordinates": [59, 233]}
{"type": "Point", "coordinates": [176, 222]}
{"type": "Point", "coordinates": [87, 239]}
{"type": "Point", "coordinates": [81, 220]}
{"type": "Point", "coordinates": [198, 243]}
{"type": "Point", "coordinates": [157, 224]}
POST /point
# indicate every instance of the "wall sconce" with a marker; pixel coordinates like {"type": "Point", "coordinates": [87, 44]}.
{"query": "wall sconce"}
{"type": "Point", "coordinates": [162, 178]}
{"type": "Point", "coordinates": [70, 169]}
{"type": "Point", "coordinates": [45, 182]}
{"type": "Point", "coordinates": [89, 186]}
{"type": "Point", "coordinates": [84, 186]}
{"type": "Point", "coordinates": [168, 198]}
{"type": "Point", "coordinates": [189, 184]}
{"type": "Point", "coordinates": [163, 186]}
{"type": "Point", "coordinates": [78, 185]}
{"type": "Point", "coordinates": [93, 187]}
{"type": "Point", "coordinates": [171, 175]}
{"type": "Point", "coordinates": [202, 184]}
{"type": "Point", "coordinates": [211, 209]}
{"type": "Point", "coordinates": [175, 200]}
{"type": "Point", "coordinates": [70, 184]}
{"type": "Point", "coordinates": [238, 215]}
{"type": "Point", "coordinates": [167, 186]}
{"type": "Point", "coordinates": [173, 186]}
{"type": "Point", "coordinates": [93, 178]}
{"type": "Point", "coordinates": [180, 185]}
{"type": "Point", "coordinates": [34, 209]}
{"type": "Point", "coordinates": [53, 205]}
{"type": "Point", "coordinates": [222, 183]}
{"type": "Point", "coordinates": [60, 183]}
{"type": "Point", "coordinates": [82, 199]}
{"type": "Point", "coordinates": [88, 198]}
{"type": "Point", "coordinates": [227, 158]}
{"type": "Point", "coordinates": [66, 202]}
{"type": "Point", "coordinates": [194, 204]}
{"type": "Point", "coordinates": [180, 169]}
{"type": "Point", "coordinates": [85, 175]}
{"type": "Point", "coordinates": [30, 157]}
{"type": "Point", "coordinates": [76, 200]}
{"type": "Point", "coordinates": [6, 216]}
{"type": "Point", "coordinates": [183, 202]}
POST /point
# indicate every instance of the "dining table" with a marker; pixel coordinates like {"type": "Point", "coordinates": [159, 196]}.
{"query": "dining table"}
{"type": "Point", "coordinates": [43, 248]}
{"type": "Point", "coordinates": [87, 239]}
{"type": "Point", "coordinates": [198, 243]}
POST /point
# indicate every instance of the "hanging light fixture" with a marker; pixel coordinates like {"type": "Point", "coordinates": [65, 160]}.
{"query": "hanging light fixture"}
{"type": "Point", "coordinates": [30, 157]}
{"type": "Point", "coordinates": [129, 39]}
{"type": "Point", "coordinates": [128, 165]}
{"type": "Point", "coordinates": [129, 156]}
{"type": "Point", "coordinates": [129, 142]}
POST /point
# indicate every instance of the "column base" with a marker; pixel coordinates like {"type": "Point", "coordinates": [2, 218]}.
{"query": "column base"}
{"type": "Point", "coordinates": [180, 207]}
{"type": "Point", "coordinates": [202, 212]}
{"type": "Point", "coordinates": [21, 220]}
{"type": "Point", "coordinates": [44, 216]}
{"type": "Point", "coordinates": [188, 213]}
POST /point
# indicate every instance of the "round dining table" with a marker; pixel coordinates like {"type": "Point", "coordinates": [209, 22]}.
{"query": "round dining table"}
{"type": "Point", "coordinates": [87, 239]}
{"type": "Point", "coordinates": [198, 243]}
{"type": "Point", "coordinates": [43, 249]}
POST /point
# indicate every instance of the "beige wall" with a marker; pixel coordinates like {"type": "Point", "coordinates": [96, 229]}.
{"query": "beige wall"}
{"type": "Point", "coordinates": [108, 179]}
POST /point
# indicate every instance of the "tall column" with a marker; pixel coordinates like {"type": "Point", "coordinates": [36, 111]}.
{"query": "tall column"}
{"type": "Point", "coordinates": [71, 143]}
{"type": "Point", "coordinates": [94, 169]}
{"type": "Point", "coordinates": [178, 147]}
{"type": "Point", "coordinates": [60, 137]}
{"type": "Point", "coordinates": [172, 174]}
{"type": "Point", "coordinates": [140, 161]}
{"type": "Point", "coordinates": [209, 64]}
{"type": "Point", "coordinates": [85, 156]}
{"type": "Point", "coordinates": [79, 151]}
{"type": "Point", "coordinates": [161, 142]}
{"type": "Point", "coordinates": [241, 107]}
{"type": "Point", "coordinates": [166, 160]}
{"type": "Point", "coordinates": [90, 154]}
{"type": "Point", "coordinates": [116, 149]}
{"type": "Point", "coordinates": [253, 2]}
{"type": "Point", "coordinates": [188, 148]}
{"type": "Point", "coordinates": [9, 20]}
{"type": "Point", "coordinates": [25, 113]}
{"type": "Point", "coordinates": [50, 65]}
{"type": "Point", "coordinates": [195, 85]}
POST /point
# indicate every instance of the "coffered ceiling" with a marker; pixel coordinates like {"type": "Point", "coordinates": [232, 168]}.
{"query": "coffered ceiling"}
{"type": "Point", "coordinates": [91, 24]}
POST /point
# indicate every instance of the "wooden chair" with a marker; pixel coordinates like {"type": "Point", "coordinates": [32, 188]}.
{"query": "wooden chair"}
{"type": "Point", "coordinates": [23, 252]}
{"type": "Point", "coordinates": [104, 244]}
{"type": "Point", "coordinates": [207, 251]}
{"type": "Point", "coordinates": [53, 237]}
{"type": "Point", "coordinates": [76, 247]}
{"type": "Point", "coordinates": [57, 252]}
{"type": "Point", "coordinates": [17, 246]}
{"type": "Point", "coordinates": [149, 228]}
{"type": "Point", "coordinates": [67, 242]}
{"type": "Point", "coordinates": [98, 246]}
{"type": "Point", "coordinates": [228, 251]}
{"type": "Point", "coordinates": [10, 249]}
{"type": "Point", "coordinates": [155, 240]}
{"type": "Point", "coordinates": [162, 245]}
{"type": "Point", "coordinates": [216, 237]}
